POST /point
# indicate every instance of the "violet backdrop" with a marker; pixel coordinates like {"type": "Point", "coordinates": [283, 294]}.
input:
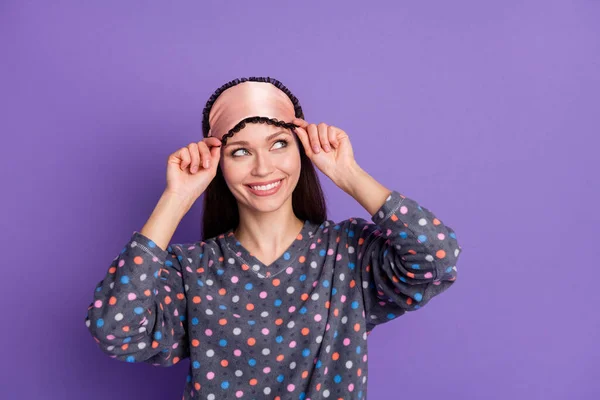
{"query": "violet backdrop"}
{"type": "Point", "coordinates": [483, 112]}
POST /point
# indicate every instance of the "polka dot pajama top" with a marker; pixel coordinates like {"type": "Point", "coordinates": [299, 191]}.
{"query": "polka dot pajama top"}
{"type": "Point", "coordinates": [294, 329]}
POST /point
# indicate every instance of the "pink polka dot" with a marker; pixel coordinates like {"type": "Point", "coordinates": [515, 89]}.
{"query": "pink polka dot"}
{"type": "Point", "coordinates": [289, 270]}
{"type": "Point", "coordinates": [318, 317]}
{"type": "Point", "coordinates": [266, 370]}
{"type": "Point", "coordinates": [313, 246]}
{"type": "Point", "coordinates": [209, 297]}
{"type": "Point", "coordinates": [292, 309]}
{"type": "Point", "coordinates": [343, 298]}
{"type": "Point", "coordinates": [234, 279]}
{"type": "Point", "coordinates": [167, 288]}
{"type": "Point", "coordinates": [292, 344]}
{"type": "Point", "coordinates": [365, 358]}
{"type": "Point", "coordinates": [210, 375]}
{"type": "Point", "coordinates": [210, 263]}
{"type": "Point", "coordinates": [265, 331]}
{"type": "Point", "coordinates": [188, 269]}
{"type": "Point", "coordinates": [441, 236]}
{"type": "Point", "coordinates": [346, 342]}
{"type": "Point", "coordinates": [98, 303]}
{"type": "Point", "coordinates": [131, 296]}
{"type": "Point", "coordinates": [121, 263]}
{"type": "Point", "coordinates": [338, 257]}
{"type": "Point", "coordinates": [155, 259]}
{"type": "Point", "coordinates": [403, 210]}
{"type": "Point", "coordinates": [350, 387]}
{"type": "Point", "coordinates": [239, 394]}
{"type": "Point", "coordinates": [330, 252]}
{"type": "Point", "coordinates": [237, 352]}
{"type": "Point", "coordinates": [263, 295]}
{"type": "Point", "coordinates": [239, 253]}
{"type": "Point", "coordinates": [291, 388]}
{"type": "Point", "coordinates": [208, 332]}
{"type": "Point", "coordinates": [175, 345]}
{"type": "Point", "coordinates": [110, 337]}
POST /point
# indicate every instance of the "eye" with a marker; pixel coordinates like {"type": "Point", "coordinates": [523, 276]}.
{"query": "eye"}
{"type": "Point", "coordinates": [285, 143]}
{"type": "Point", "coordinates": [234, 152]}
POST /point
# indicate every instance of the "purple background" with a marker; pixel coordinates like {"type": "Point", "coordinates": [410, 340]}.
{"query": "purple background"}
{"type": "Point", "coordinates": [488, 111]}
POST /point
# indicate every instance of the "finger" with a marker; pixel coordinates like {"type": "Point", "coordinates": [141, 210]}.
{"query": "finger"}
{"type": "Point", "coordinates": [303, 136]}
{"type": "Point", "coordinates": [213, 141]}
{"type": "Point", "coordinates": [300, 121]}
{"type": "Point", "coordinates": [185, 156]}
{"type": "Point", "coordinates": [313, 136]}
{"type": "Point", "coordinates": [332, 133]}
{"type": "Point", "coordinates": [323, 136]}
{"type": "Point", "coordinates": [195, 158]}
{"type": "Point", "coordinates": [204, 153]}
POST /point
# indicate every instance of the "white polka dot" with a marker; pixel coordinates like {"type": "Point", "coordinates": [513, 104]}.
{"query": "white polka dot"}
{"type": "Point", "coordinates": [319, 339]}
{"type": "Point", "coordinates": [235, 298]}
{"type": "Point", "coordinates": [325, 393]}
{"type": "Point", "coordinates": [380, 214]}
{"type": "Point", "coordinates": [209, 282]}
{"type": "Point", "coordinates": [266, 352]}
{"type": "Point", "coordinates": [231, 260]}
{"type": "Point", "coordinates": [118, 317]}
{"type": "Point", "coordinates": [313, 264]}
{"type": "Point", "coordinates": [143, 277]}
{"type": "Point", "coordinates": [350, 250]}
{"type": "Point", "coordinates": [264, 314]}
{"type": "Point", "coordinates": [315, 296]}
{"type": "Point", "coordinates": [141, 345]}
{"type": "Point", "coordinates": [292, 365]}
{"type": "Point", "coordinates": [344, 319]}
{"type": "Point", "coordinates": [110, 348]}
{"type": "Point", "coordinates": [255, 267]}
{"type": "Point", "coordinates": [210, 397]}
{"type": "Point", "coordinates": [290, 290]}
{"type": "Point", "coordinates": [210, 353]}
{"type": "Point", "coordinates": [349, 364]}
{"type": "Point", "coordinates": [429, 257]}
{"type": "Point", "coordinates": [209, 311]}
{"type": "Point", "coordinates": [237, 331]}
{"type": "Point", "coordinates": [142, 329]}
{"type": "Point", "coordinates": [238, 373]}
{"type": "Point", "coordinates": [291, 324]}
{"type": "Point", "coordinates": [342, 277]}
{"type": "Point", "coordinates": [267, 390]}
{"type": "Point", "coordinates": [422, 222]}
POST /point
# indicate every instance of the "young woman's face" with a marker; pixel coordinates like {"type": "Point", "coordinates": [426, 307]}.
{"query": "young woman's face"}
{"type": "Point", "coordinates": [261, 166]}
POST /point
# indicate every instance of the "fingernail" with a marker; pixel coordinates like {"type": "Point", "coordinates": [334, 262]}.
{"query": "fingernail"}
{"type": "Point", "coordinates": [316, 149]}
{"type": "Point", "coordinates": [194, 169]}
{"type": "Point", "coordinates": [206, 163]}
{"type": "Point", "coordinates": [327, 148]}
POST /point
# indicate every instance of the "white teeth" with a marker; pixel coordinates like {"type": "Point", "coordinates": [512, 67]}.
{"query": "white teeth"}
{"type": "Point", "coordinates": [266, 187]}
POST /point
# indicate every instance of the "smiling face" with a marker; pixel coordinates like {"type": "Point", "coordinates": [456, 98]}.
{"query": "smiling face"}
{"type": "Point", "coordinates": [261, 166]}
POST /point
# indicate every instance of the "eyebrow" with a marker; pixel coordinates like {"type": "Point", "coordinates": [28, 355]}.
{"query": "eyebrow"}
{"type": "Point", "coordinates": [268, 138]}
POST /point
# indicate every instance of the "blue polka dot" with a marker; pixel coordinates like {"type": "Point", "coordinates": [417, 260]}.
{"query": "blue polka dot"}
{"type": "Point", "coordinates": [306, 352]}
{"type": "Point", "coordinates": [280, 378]}
{"type": "Point", "coordinates": [124, 279]}
{"type": "Point", "coordinates": [322, 252]}
{"type": "Point", "coordinates": [286, 255]}
{"type": "Point", "coordinates": [196, 364]}
{"type": "Point", "coordinates": [157, 335]}
{"type": "Point", "coordinates": [151, 244]}
{"type": "Point", "coordinates": [391, 316]}
{"type": "Point", "coordinates": [325, 283]}
{"type": "Point", "coordinates": [415, 266]}
{"type": "Point", "coordinates": [319, 363]}
{"type": "Point", "coordinates": [279, 339]}
{"type": "Point", "coordinates": [224, 384]}
{"type": "Point", "coordinates": [351, 265]}
{"type": "Point", "coordinates": [302, 278]}
{"type": "Point", "coordinates": [138, 310]}
{"type": "Point", "coordinates": [127, 340]}
{"type": "Point", "coordinates": [252, 362]}
{"type": "Point", "coordinates": [131, 359]}
{"type": "Point", "coordinates": [337, 379]}
{"type": "Point", "coordinates": [403, 235]}
{"type": "Point", "coordinates": [355, 305]}
{"type": "Point", "coordinates": [418, 296]}
{"type": "Point", "coordinates": [277, 302]}
{"type": "Point", "coordinates": [168, 263]}
{"type": "Point", "coordinates": [223, 342]}
{"type": "Point", "coordinates": [248, 286]}
{"type": "Point", "coordinates": [422, 238]}
{"type": "Point", "coordinates": [195, 321]}
{"type": "Point", "coordinates": [100, 323]}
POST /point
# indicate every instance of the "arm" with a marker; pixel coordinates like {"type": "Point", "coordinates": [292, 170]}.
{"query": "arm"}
{"type": "Point", "coordinates": [405, 258]}
{"type": "Point", "coordinates": [139, 307]}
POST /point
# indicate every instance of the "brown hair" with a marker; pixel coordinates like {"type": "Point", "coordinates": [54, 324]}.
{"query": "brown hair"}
{"type": "Point", "coordinates": [220, 206]}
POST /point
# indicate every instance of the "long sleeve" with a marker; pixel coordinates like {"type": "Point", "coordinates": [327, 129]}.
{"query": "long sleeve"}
{"type": "Point", "coordinates": [139, 307]}
{"type": "Point", "coordinates": [405, 258]}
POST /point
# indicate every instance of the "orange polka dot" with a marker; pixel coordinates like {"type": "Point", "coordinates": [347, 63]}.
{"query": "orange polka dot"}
{"type": "Point", "coordinates": [299, 237]}
{"type": "Point", "coordinates": [138, 260]}
{"type": "Point", "coordinates": [195, 342]}
{"type": "Point", "coordinates": [337, 239]}
{"type": "Point", "coordinates": [394, 217]}
{"type": "Point", "coordinates": [335, 356]}
{"type": "Point", "coordinates": [154, 344]}
{"type": "Point", "coordinates": [361, 241]}
{"type": "Point", "coordinates": [253, 382]}
{"type": "Point", "coordinates": [304, 296]}
{"type": "Point", "coordinates": [436, 221]}
{"type": "Point", "coordinates": [147, 292]}
{"type": "Point", "coordinates": [278, 321]}
{"type": "Point", "coordinates": [305, 331]}
{"type": "Point", "coordinates": [112, 301]}
{"type": "Point", "coordinates": [249, 306]}
{"type": "Point", "coordinates": [352, 283]}
{"type": "Point", "coordinates": [318, 387]}
{"type": "Point", "coordinates": [180, 296]}
{"type": "Point", "coordinates": [197, 386]}
{"type": "Point", "coordinates": [409, 301]}
{"type": "Point", "coordinates": [200, 270]}
{"type": "Point", "coordinates": [125, 328]}
{"type": "Point", "coordinates": [336, 312]}
{"type": "Point", "coordinates": [276, 282]}
{"type": "Point", "coordinates": [304, 374]}
{"type": "Point", "coordinates": [357, 327]}
{"type": "Point", "coordinates": [175, 360]}
{"type": "Point", "coordinates": [410, 274]}
{"type": "Point", "coordinates": [251, 341]}
{"type": "Point", "coordinates": [280, 357]}
{"type": "Point", "coordinates": [168, 300]}
{"type": "Point", "coordinates": [112, 270]}
{"type": "Point", "coordinates": [302, 259]}
{"type": "Point", "coordinates": [224, 363]}
{"type": "Point", "coordinates": [196, 299]}
{"type": "Point", "coordinates": [245, 267]}
{"type": "Point", "coordinates": [222, 321]}
{"type": "Point", "coordinates": [440, 254]}
{"type": "Point", "coordinates": [222, 291]}
{"type": "Point", "coordinates": [327, 304]}
{"type": "Point", "coordinates": [359, 372]}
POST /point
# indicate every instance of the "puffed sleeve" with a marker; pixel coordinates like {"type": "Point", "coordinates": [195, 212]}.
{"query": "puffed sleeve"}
{"type": "Point", "coordinates": [139, 308]}
{"type": "Point", "coordinates": [405, 258]}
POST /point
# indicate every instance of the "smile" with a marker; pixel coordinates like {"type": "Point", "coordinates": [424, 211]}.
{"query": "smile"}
{"type": "Point", "coordinates": [265, 190]}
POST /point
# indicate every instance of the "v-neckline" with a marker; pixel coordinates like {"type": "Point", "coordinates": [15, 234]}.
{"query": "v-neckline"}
{"type": "Point", "coordinates": [288, 257]}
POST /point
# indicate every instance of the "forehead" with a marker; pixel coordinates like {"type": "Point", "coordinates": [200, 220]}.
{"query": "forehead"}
{"type": "Point", "coordinates": [256, 132]}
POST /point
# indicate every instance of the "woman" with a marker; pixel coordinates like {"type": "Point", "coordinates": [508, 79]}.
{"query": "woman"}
{"type": "Point", "coordinates": [276, 301]}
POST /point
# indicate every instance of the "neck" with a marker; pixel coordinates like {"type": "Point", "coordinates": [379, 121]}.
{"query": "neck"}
{"type": "Point", "coordinates": [268, 233]}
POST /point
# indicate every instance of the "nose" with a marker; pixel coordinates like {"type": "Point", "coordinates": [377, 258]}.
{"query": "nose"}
{"type": "Point", "coordinates": [263, 164]}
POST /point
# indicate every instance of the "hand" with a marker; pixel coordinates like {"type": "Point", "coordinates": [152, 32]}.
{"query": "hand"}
{"type": "Point", "coordinates": [328, 148]}
{"type": "Point", "coordinates": [202, 158]}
